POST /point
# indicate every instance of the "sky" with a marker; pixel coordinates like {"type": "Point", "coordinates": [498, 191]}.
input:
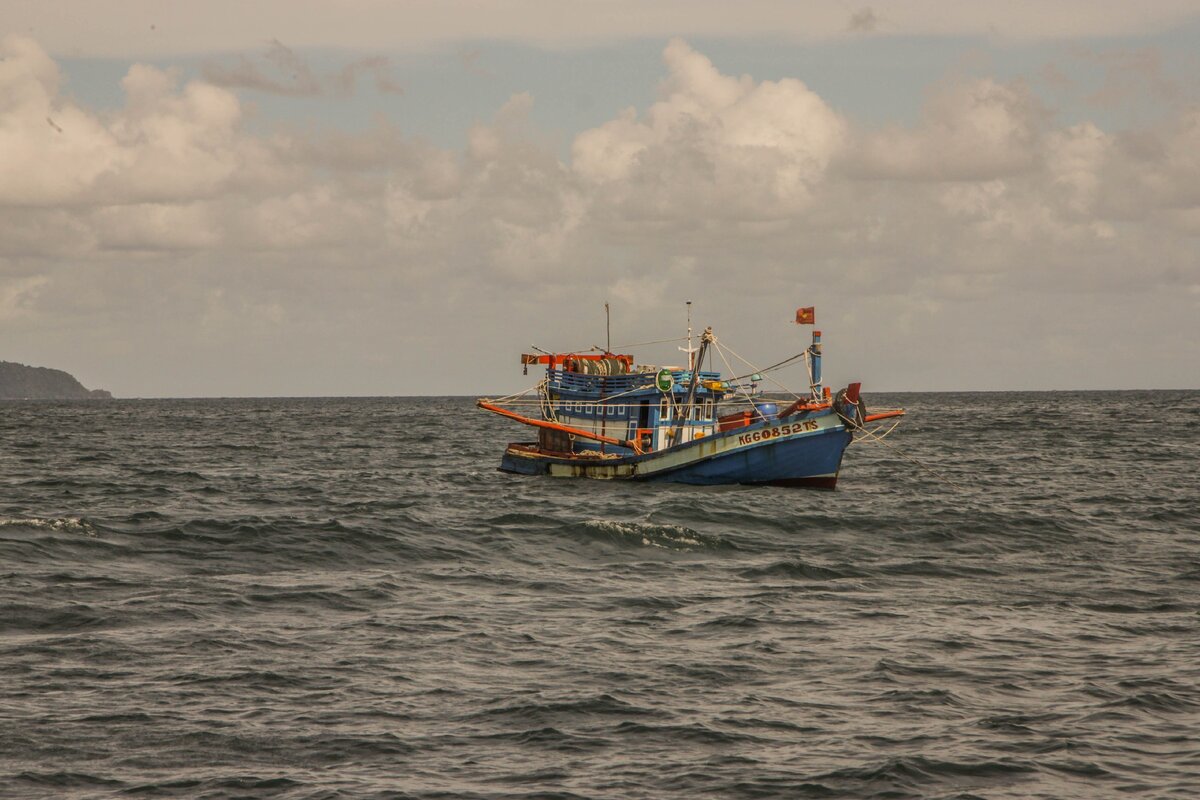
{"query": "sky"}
{"type": "Point", "coordinates": [377, 198]}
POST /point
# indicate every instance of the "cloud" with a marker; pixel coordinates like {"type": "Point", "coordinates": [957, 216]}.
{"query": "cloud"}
{"type": "Point", "coordinates": [1157, 172]}
{"type": "Point", "coordinates": [74, 155]}
{"type": "Point", "coordinates": [864, 20]}
{"type": "Point", "coordinates": [470, 57]}
{"type": "Point", "coordinates": [379, 68]}
{"type": "Point", "coordinates": [713, 145]}
{"type": "Point", "coordinates": [292, 75]}
{"type": "Point", "coordinates": [282, 71]}
{"type": "Point", "coordinates": [168, 144]}
{"type": "Point", "coordinates": [1129, 75]}
{"type": "Point", "coordinates": [18, 295]}
{"type": "Point", "coordinates": [285, 261]}
{"type": "Point", "coordinates": [970, 130]}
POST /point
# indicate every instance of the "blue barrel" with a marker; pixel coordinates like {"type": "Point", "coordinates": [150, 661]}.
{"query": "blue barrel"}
{"type": "Point", "coordinates": [768, 410]}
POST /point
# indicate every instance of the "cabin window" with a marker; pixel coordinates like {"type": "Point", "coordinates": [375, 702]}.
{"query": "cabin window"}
{"type": "Point", "coordinates": [664, 409]}
{"type": "Point", "coordinates": [620, 411]}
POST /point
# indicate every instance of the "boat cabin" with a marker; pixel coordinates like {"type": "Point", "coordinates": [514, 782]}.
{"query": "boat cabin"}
{"type": "Point", "coordinates": [607, 395]}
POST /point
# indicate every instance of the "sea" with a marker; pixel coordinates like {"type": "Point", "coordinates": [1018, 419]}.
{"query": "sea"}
{"type": "Point", "coordinates": [344, 598]}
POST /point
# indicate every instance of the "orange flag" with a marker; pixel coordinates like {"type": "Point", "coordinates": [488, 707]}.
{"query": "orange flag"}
{"type": "Point", "coordinates": [806, 316]}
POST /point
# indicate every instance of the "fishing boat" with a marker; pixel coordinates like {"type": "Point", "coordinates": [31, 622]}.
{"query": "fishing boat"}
{"type": "Point", "coordinates": [600, 414]}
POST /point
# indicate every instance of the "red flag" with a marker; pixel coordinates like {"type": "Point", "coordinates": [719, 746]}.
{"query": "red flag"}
{"type": "Point", "coordinates": [806, 316]}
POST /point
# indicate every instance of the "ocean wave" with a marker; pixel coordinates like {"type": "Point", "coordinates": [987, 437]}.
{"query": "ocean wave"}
{"type": "Point", "coordinates": [795, 568]}
{"type": "Point", "coordinates": [695, 732]}
{"type": "Point", "coordinates": [61, 781]}
{"type": "Point", "coordinates": [57, 618]}
{"type": "Point", "coordinates": [913, 771]}
{"type": "Point", "coordinates": [599, 705]}
{"type": "Point", "coordinates": [648, 534]}
{"type": "Point", "coordinates": [58, 524]}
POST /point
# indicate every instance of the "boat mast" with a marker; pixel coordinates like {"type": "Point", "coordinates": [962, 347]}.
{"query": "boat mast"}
{"type": "Point", "coordinates": [705, 340]}
{"type": "Point", "coordinates": [691, 351]}
{"type": "Point", "coordinates": [814, 354]}
{"type": "Point", "coordinates": [607, 330]}
{"type": "Point", "coordinates": [691, 364]}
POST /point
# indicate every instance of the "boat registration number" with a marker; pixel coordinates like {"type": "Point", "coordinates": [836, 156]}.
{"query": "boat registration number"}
{"type": "Point", "coordinates": [802, 426]}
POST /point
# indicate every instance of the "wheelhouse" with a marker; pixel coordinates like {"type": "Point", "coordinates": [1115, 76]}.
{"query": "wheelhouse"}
{"type": "Point", "coordinates": [608, 396]}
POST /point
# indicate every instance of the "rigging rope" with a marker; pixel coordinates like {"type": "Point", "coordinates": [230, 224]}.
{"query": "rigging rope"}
{"type": "Point", "coordinates": [783, 363]}
{"type": "Point", "coordinates": [656, 341]}
{"type": "Point", "coordinates": [763, 372]}
{"type": "Point", "coordinates": [737, 389]}
{"type": "Point", "coordinates": [518, 395]}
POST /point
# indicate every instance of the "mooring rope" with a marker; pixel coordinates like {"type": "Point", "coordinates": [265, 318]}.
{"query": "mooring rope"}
{"type": "Point", "coordinates": [893, 427]}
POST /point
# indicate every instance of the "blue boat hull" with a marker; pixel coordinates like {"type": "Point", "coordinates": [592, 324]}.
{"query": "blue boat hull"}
{"type": "Point", "coordinates": [810, 462]}
{"type": "Point", "coordinates": [804, 454]}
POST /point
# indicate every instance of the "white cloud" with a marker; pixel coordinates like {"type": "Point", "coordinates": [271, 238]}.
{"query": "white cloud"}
{"type": "Point", "coordinates": [155, 226]}
{"type": "Point", "coordinates": [38, 128]}
{"type": "Point", "coordinates": [970, 130]}
{"type": "Point", "coordinates": [167, 144]}
{"type": "Point", "coordinates": [1075, 158]}
{"type": "Point", "coordinates": [713, 146]}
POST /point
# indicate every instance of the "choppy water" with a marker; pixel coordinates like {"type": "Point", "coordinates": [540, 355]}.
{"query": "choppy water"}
{"type": "Point", "coordinates": [344, 598]}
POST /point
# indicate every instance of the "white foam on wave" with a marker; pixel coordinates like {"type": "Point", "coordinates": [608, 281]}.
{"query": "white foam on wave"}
{"type": "Point", "coordinates": [65, 524]}
{"type": "Point", "coordinates": [667, 537]}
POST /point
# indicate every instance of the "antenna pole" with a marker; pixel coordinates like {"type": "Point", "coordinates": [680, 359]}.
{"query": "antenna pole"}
{"type": "Point", "coordinates": [691, 354]}
{"type": "Point", "coordinates": [607, 330]}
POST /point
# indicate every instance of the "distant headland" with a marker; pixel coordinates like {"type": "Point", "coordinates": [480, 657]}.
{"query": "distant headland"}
{"type": "Point", "coordinates": [19, 382]}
